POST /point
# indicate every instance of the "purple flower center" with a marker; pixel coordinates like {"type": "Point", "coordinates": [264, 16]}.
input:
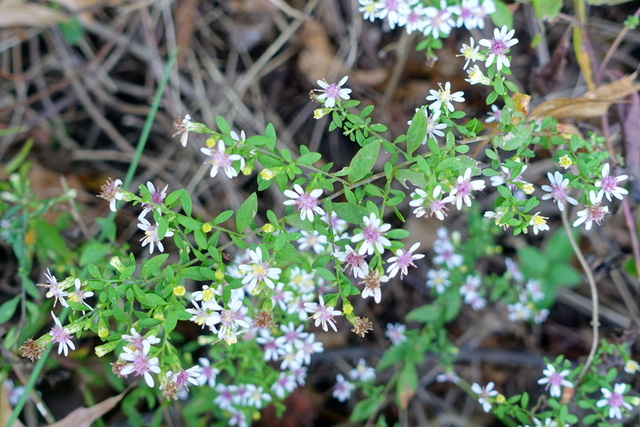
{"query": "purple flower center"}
{"type": "Point", "coordinates": [332, 91]}
{"type": "Point", "coordinates": [616, 400]}
{"type": "Point", "coordinates": [391, 5]}
{"type": "Point", "coordinates": [371, 233]}
{"type": "Point", "coordinates": [609, 184]}
{"type": "Point", "coordinates": [559, 193]}
{"type": "Point", "coordinates": [60, 335]}
{"type": "Point", "coordinates": [140, 363]}
{"type": "Point", "coordinates": [498, 47]}
{"type": "Point", "coordinates": [220, 158]}
{"type": "Point", "coordinates": [555, 379]}
{"type": "Point", "coordinates": [464, 188]}
{"type": "Point", "coordinates": [596, 213]}
{"type": "Point", "coordinates": [157, 198]}
{"type": "Point", "coordinates": [306, 201]}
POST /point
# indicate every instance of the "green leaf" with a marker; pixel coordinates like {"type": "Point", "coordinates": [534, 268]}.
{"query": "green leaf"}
{"type": "Point", "coordinates": [223, 125]}
{"type": "Point", "coordinates": [407, 384]}
{"type": "Point", "coordinates": [270, 132]}
{"type": "Point", "coordinates": [547, 9]}
{"type": "Point", "coordinates": [246, 212]}
{"type": "Point", "coordinates": [309, 158]}
{"type": "Point", "coordinates": [222, 217]}
{"type": "Point", "coordinates": [94, 253]}
{"type": "Point", "coordinates": [397, 234]}
{"type": "Point", "coordinates": [424, 314]}
{"type": "Point", "coordinates": [188, 222]}
{"type": "Point", "coordinates": [148, 323]}
{"type": "Point", "coordinates": [417, 133]}
{"type": "Point", "coordinates": [502, 15]}
{"type": "Point", "coordinates": [153, 265]}
{"type": "Point", "coordinates": [185, 201]}
{"type": "Point", "coordinates": [364, 161]}
{"type": "Point", "coordinates": [366, 408]}
{"type": "Point", "coordinates": [71, 30]}
{"type": "Point", "coordinates": [415, 178]}
{"type": "Point", "coordinates": [8, 309]}
{"type": "Point", "coordinates": [350, 212]}
{"type": "Point", "coordinates": [198, 273]}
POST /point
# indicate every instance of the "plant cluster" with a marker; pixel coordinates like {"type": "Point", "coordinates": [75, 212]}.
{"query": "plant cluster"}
{"type": "Point", "coordinates": [260, 282]}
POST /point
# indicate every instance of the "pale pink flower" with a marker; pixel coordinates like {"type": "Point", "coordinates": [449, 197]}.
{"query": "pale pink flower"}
{"type": "Point", "coordinates": [221, 159]}
{"type": "Point", "coordinates": [333, 92]}
{"type": "Point", "coordinates": [403, 260]}
{"type": "Point", "coordinates": [322, 314]}
{"type": "Point", "coordinates": [498, 47]}
{"type": "Point", "coordinates": [140, 363]}
{"type": "Point", "coordinates": [61, 336]}
{"type": "Point", "coordinates": [354, 261]}
{"type": "Point", "coordinates": [151, 236]}
{"type": "Point", "coordinates": [593, 212]}
{"type": "Point", "coordinates": [484, 394]}
{"type": "Point", "coordinates": [343, 388]}
{"type": "Point", "coordinates": [554, 380]}
{"type": "Point", "coordinates": [609, 184]}
{"type": "Point", "coordinates": [615, 400]}
{"type": "Point", "coordinates": [559, 190]}
{"type": "Point", "coordinates": [443, 96]}
{"type": "Point", "coordinates": [372, 235]}
{"type": "Point", "coordinates": [307, 203]}
{"type": "Point", "coordinates": [396, 333]}
{"type": "Point", "coordinates": [157, 198]}
{"type": "Point", "coordinates": [461, 191]}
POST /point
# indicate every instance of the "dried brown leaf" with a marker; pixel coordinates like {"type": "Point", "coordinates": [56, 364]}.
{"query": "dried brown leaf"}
{"type": "Point", "coordinates": [84, 417]}
{"type": "Point", "coordinates": [185, 18]}
{"type": "Point", "coordinates": [594, 103]}
{"type": "Point", "coordinates": [631, 130]}
{"type": "Point", "coordinates": [5, 407]}
{"type": "Point", "coordinates": [13, 14]}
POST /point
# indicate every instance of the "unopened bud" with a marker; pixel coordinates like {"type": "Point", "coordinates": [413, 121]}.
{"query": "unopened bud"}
{"type": "Point", "coordinates": [268, 174]}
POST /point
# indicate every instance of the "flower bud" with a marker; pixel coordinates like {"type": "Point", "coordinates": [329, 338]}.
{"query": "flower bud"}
{"type": "Point", "coordinates": [206, 227]}
{"type": "Point", "coordinates": [268, 174]}
{"type": "Point", "coordinates": [103, 349]}
{"type": "Point", "coordinates": [179, 290]}
{"type": "Point", "coordinates": [117, 264]}
{"type": "Point", "coordinates": [268, 228]}
{"type": "Point", "coordinates": [319, 113]}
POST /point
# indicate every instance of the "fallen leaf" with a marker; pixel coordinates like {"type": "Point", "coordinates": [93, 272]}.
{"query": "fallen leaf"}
{"type": "Point", "coordinates": [594, 103]}
{"type": "Point", "coordinates": [84, 417]}
{"type": "Point", "coordinates": [631, 130]}
{"type": "Point", "coordinates": [185, 18]}
{"type": "Point", "coordinates": [317, 59]}
{"type": "Point", "coordinates": [5, 407]}
{"type": "Point", "coordinates": [546, 77]}
{"type": "Point", "coordinates": [13, 14]}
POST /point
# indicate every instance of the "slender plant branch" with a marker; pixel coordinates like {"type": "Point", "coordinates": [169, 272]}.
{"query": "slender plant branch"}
{"type": "Point", "coordinates": [595, 317]}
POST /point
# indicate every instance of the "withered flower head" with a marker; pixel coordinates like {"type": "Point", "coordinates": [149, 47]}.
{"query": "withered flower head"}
{"type": "Point", "coordinates": [263, 320]}
{"type": "Point", "coordinates": [361, 326]}
{"type": "Point", "coordinates": [170, 390]}
{"type": "Point", "coordinates": [31, 350]}
{"type": "Point", "coordinates": [117, 367]}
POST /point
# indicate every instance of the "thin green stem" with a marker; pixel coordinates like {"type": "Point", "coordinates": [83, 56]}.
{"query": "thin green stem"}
{"type": "Point", "coordinates": [595, 318]}
{"type": "Point", "coordinates": [37, 369]}
{"type": "Point", "coordinates": [146, 130]}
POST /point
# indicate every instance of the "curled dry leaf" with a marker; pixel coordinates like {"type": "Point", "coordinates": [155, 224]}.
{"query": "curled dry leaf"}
{"type": "Point", "coordinates": [84, 417]}
{"type": "Point", "coordinates": [594, 103]}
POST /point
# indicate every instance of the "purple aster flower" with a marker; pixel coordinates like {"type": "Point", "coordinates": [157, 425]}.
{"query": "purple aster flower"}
{"type": "Point", "coordinates": [498, 46]}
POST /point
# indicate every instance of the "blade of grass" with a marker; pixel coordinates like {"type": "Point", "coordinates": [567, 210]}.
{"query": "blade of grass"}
{"type": "Point", "coordinates": [146, 130]}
